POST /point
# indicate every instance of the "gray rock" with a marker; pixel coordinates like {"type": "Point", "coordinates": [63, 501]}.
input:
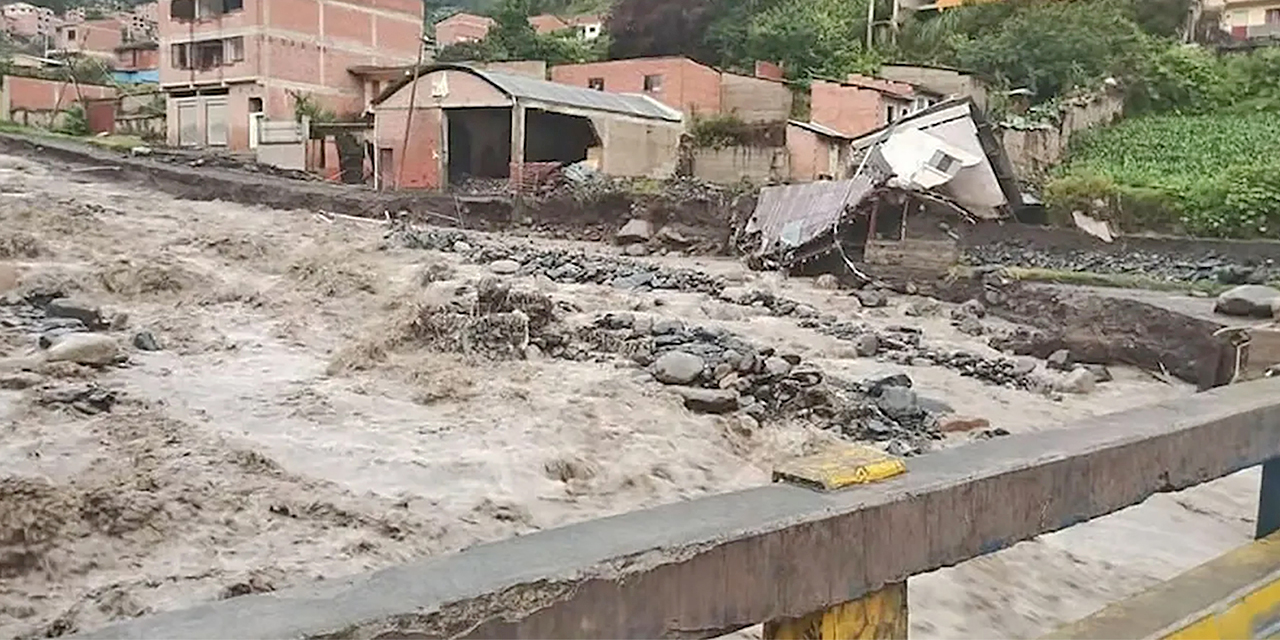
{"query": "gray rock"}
{"type": "Point", "coordinates": [748, 363]}
{"type": "Point", "coordinates": [120, 321]}
{"type": "Point", "coordinates": [144, 341]}
{"type": "Point", "coordinates": [461, 247]}
{"type": "Point", "coordinates": [971, 326]}
{"type": "Point", "coordinates": [872, 298]}
{"type": "Point", "coordinates": [709, 400]}
{"type": "Point", "coordinates": [1080, 381]}
{"type": "Point", "coordinates": [20, 380]}
{"type": "Point", "coordinates": [1100, 372]}
{"type": "Point", "coordinates": [1060, 360]}
{"type": "Point", "coordinates": [636, 250]}
{"type": "Point", "coordinates": [666, 327]}
{"type": "Point", "coordinates": [805, 311]}
{"type": "Point", "coordinates": [88, 314]}
{"type": "Point", "coordinates": [619, 320]}
{"type": "Point", "coordinates": [504, 267]}
{"type": "Point", "coordinates": [936, 407]}
{"type": "Point", "coordinates": [898, 402]}
{"type": "Point", "coordinates": [84, 348]}
{"type": "Point", "coordinates": [1250, 300]}
{"type": "Point", "coordinates": [1023, 366]}
{"type": "Point", "coordinates": [678, 367]}
{"type": "Point", "coordinates": [756, 410]}
{"type": "Point", "coordinates": [777, 366]}
{"type": "Point", "coordinates": [669, 235]}
{"type": "Point", "coordinates": [974, 308]}
{"type": "Point", "coordinates": [868, 345]}
{"type": "Point", "coordinates": [636, 230]}
{"type": "Point", "coordinates": [827, 281]}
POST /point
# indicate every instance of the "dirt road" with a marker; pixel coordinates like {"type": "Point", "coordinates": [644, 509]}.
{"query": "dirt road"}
{"type": "Point", "coordinates": [286, 430]}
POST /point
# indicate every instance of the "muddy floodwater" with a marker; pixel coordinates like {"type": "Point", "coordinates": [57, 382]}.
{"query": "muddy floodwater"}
{"type": "Point", "coordinates": [282, 429]}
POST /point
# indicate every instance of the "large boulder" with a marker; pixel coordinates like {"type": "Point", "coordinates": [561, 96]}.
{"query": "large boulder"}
{"type": "Point", "coordinates": [709, 400]}
{"type": "Point", "coordinates": [1250, 300]}
{"type": "Point", "coordinates": [86, 313]}
{"type": "Point", "coordinates": [636, 230]}
{"type": "Point", "coordinates": [84, 348]}
{"type": "Point", "coordinates": [678, 367]}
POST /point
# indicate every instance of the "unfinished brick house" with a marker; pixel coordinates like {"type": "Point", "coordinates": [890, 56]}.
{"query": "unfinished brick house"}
{"type": "Point", "coordinates": [228, 63]}
{"type": "Point", "coordinates": [683, 84]}
{"type": "Point", "coordinates": [860, 104]}
{"type": "Point", "coordinates": [462, 27]}
{"type": "Point", "coordinates": [99, 37]}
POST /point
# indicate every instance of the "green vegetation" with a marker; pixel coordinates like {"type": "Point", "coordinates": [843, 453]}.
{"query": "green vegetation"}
{"type": "Point", "coordinates": [1208, 165]}
{"type": "Point", "coordinates": [514, 39]}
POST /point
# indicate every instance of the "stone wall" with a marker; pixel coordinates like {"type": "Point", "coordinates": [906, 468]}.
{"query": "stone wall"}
{"type": "Point", "coordinates": [1034, 148]}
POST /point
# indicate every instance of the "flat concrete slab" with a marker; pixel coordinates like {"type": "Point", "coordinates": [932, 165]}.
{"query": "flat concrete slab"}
{"type": "Point", "coordinates": [705, 567]}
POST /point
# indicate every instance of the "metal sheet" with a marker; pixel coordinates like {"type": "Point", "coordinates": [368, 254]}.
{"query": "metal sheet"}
{"type": "Point", "coordinates": [701, 568]}
{"type": "Point", "coordinates": [793, 215]}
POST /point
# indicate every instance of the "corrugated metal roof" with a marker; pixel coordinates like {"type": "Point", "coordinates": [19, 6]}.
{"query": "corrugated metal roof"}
{"type": "Point", "coordinates": [571, 96]}
{"type": "Point", "coordinates": [793, 215]}
{"type": "Point", "coordinates": [821, 130]}
{"type": "Point", "coordinates": [554, 93]}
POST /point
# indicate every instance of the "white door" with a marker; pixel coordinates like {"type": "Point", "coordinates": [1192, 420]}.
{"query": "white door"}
{"type": "Point", "coordinates": [188, 124]}
{"type": "Point", "coordinates": [215, 114]}
{"type": "Point", "coordinates": [255, 129]}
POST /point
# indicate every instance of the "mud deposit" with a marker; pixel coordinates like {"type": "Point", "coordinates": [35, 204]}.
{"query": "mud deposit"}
{"type": "Point", "coordinates": [254, 399]}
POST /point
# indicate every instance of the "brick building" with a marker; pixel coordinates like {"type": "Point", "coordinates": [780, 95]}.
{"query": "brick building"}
{"type": "Point", "coordinates": [228, 63]}
{"type": "Point", "coordinates": [462, 27]}
{"type": "Point", "coordinates": [860, 104]}
{"type": "Point", "coordinates": [683, 84]}
{"type": "Point", "coordinates": [91, 36]}
{"type": "Point", "coordinates": [28, 21]}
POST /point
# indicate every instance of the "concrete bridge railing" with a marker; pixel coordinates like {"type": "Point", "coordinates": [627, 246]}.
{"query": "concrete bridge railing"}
{"type": "Point", "coordinates": [810, 558]}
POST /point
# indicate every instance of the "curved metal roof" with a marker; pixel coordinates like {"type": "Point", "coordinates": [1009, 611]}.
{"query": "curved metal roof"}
{"type": "Point", "coordinates": [554, 93]}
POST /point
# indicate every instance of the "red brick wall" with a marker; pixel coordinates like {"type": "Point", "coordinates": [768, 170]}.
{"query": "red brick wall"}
{"type": "Point", "coordinates": [849, 110]}
{"type": "Point", "coordinates": [804, 146]}
{"type": "Point", "coordinates": [91, 35]}
{"type": "Point", "coordinates": [686, 85]}
{"type": "Point", "coordinates": [34, 94]}
{"type": "Point", "coordinates": [138, 59]}
{"type": "Point", "coordinates": [418, 165]}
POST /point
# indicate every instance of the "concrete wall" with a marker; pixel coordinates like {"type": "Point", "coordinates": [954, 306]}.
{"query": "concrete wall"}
{"type": "Point", "coordinates": [636, 147]}
{"type": "Point", "coordinates": [686, 85]}
{"type": "Point", "coordinates": [531, 68]}
{"type": "Point", "coordinates": [417, 165]}
{"type": "Point", "coordinates": [848, 109]}
{"type": "Point", "coordinates": [1036, 149]}
{"type": "Point", "coordinates": [733, 164]}
{"type": "Point", "coordinates": [302, 46]}
{"type": "Point", "coordinates": [754, 99]}
{"type": "Point", "coordinates": [948, 82]}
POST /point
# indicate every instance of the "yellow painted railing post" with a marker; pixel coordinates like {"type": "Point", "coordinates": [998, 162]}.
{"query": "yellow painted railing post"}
{"type": "Point", "coordinates": [880, 615]}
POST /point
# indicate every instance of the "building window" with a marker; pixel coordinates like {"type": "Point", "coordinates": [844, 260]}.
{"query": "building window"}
{"type": "Point", "coordinates": [235, 49]}
{"type": "Point", "coordinates": [653, 84]}
{"type": "Point", "coordinates": [888, 113]}
{"type": "Point", "coordinates": [179, 54]}
{"type": "Point", "coordinates": [255, 105]}
{"type": "Point", "coordinates": [71, 35]}
{"type": "Point", "coordinates": [199, 9]}
{"type": "Point", "coordinates": [1273, 16]}
{"type": "Point", "coordinates": [595, 83]}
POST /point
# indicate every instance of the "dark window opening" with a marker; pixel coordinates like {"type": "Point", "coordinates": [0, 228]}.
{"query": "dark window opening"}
{"type": "Point", "coordinates": [890, 215]}
{"type": "Point", "coordinates": [596, 84]}
{"type": "Point", "coordinates": [653, 84]}
{"type": "Point", "coordinates": [200, 9]}
{"type": "Point", "coordinates": [556, 137]}
{"type": "Point", "coordinates": [479, 144]}
{"type": "Point", "coordinates": [208, 55]}
{"type": "Point", "coordinates": [71, 35]}
{"type": "Point", "coordinates": [255, 105]}
{"type": "Point", "coordinates": [942, 162]}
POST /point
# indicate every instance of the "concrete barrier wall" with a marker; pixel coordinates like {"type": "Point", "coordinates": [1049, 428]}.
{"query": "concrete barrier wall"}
{"type": "Point", "coordinates": [732, 164]}
{"type": "Point", "coordinates": [706, 567]}
{"type": "Point", "coordinates": [1063, 241]}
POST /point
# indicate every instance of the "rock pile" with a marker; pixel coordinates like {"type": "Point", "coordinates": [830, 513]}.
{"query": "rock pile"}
{"type": "Point", "coordinates": [1209, 268]}
{"type": "Point", "coordinates": [560, 265]}
{"type": "Point", "coordinates": [715, 371]}
{"type": "Point", "coordinates": [65, 330]}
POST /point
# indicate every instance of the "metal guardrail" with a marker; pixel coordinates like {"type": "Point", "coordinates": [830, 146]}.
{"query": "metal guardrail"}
{"type": "Point", "coordinates": [709, 566]}
{"type": "Point", "coordinates": [1231, 597]}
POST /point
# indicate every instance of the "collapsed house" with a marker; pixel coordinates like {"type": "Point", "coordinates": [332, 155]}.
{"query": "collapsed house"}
{"type": "Point", "coordinates": [913, 182]}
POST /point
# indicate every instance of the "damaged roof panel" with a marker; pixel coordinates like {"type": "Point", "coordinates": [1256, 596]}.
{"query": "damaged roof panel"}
{"type": "Point", "coordinates": [793, 215]}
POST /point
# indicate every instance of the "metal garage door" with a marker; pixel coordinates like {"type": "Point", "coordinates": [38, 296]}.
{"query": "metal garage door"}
{"type": "Point", "coordinates": [215, 113]}
{"type": "Point", "coordinates": [188, 126]}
